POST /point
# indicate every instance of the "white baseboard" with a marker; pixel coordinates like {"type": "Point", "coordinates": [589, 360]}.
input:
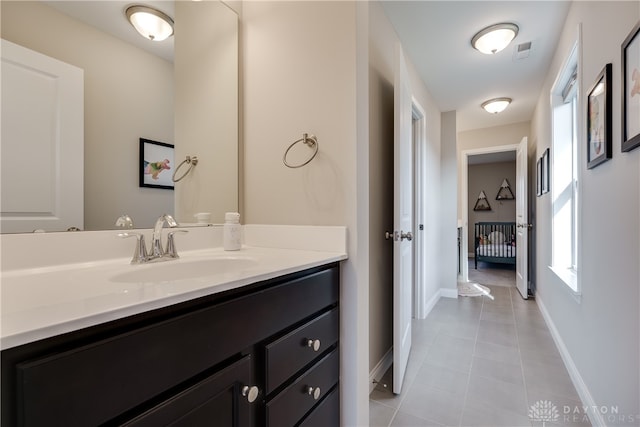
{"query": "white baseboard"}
{"type": "Point", "coordinates": [431, 303]}
{"type": "Point", "coordinates": [587, 399]}
{"type": "Point", "coordinates": [449, 293]}
{"type": "Point", "coordinates": [379, 370]}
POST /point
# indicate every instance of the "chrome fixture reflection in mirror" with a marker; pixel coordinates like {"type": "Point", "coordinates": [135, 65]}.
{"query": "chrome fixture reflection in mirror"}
{"type": "Point", "coordinates": [151, 23]}
{"type": "Point", "coordinates": [494, 38]}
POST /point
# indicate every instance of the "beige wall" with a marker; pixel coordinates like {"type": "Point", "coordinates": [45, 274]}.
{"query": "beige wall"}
{"type": "Point", "coordinates": [600, 332]}
{"type": "Point", "coordinates": [488, 177]}
{"type": "Point", "coordinates": [206, 109]}
{"type": "Point", "coordinates": [299, 76]}
{"type": "Point", "coordinates": [448, 237]}
{"type": "Point", "coordinates": [122, 104]}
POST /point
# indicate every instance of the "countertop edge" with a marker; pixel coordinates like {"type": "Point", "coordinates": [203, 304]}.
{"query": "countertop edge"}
{"type": "Point", "coordinates": [36, 334]}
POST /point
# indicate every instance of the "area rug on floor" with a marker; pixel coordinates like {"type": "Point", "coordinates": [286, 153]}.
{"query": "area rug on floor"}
{"type": "Point", "coordinates": [472, 290]}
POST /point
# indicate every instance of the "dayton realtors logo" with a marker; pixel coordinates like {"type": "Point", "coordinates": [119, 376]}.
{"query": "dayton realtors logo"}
{"type": "Point", "coordinates": [544, 411]}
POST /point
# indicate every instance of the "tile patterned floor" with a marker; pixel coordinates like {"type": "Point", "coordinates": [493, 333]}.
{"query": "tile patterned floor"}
{"type": "Point", "coordinates": [478, 361]}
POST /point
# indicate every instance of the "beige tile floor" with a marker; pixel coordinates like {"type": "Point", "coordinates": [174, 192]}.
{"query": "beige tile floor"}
{"type": "Point", "coordinates": [477, 361]}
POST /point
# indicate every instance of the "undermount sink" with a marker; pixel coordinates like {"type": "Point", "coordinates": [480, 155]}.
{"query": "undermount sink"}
{"type": "Point", "coordinates": [181, 269]}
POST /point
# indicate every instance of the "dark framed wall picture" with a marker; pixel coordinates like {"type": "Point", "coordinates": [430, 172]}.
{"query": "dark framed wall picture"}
{"type": "Point", "coordinates": [539, 177]}
{"type": "Point", "coordinates": [545, 172]}
{"type": "Point", "coordinates": [599, 119]}
{"type": "Point", "coordinates": [156, 161]}
{"type": "Point", "coordinates": [631, 90]}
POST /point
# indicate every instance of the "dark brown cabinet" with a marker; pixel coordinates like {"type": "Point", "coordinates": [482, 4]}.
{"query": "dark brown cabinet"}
{"type": "Point", "coordinates": [223, 398]}
{"type": "Point", "coordinates": [266, 354]}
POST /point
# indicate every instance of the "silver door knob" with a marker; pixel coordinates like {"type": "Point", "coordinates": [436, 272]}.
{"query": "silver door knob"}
{"type": "Point", "coordinates": [250, 392]}
{"type": "Point", "coordinates": [389, 235]}
{"type": "Point", "coordinates": [314, 344]}
{"type": "Point", "coordinates": [314, 392]}
{"type": "Point", "coordinates": [406, 235]}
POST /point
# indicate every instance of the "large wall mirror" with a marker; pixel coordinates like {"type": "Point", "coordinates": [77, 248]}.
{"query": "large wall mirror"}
{"type": "Point", "coordinates": [182, 91]}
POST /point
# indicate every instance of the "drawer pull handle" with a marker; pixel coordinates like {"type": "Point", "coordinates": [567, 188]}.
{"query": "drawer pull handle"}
{"type": "Point", "coordinates": [314, 392]}
{"type": "Point", "coordinates": [251, 393]}
{"type": "Point", "coordinates": [314, 344]}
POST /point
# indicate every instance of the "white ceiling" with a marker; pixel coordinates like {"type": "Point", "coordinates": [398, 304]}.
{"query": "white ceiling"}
{"type": "Point", "coordinates": [436, 35]}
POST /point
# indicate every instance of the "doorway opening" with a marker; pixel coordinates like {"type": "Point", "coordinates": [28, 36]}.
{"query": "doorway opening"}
{"type": "Point", "coordinates": [466, 230]}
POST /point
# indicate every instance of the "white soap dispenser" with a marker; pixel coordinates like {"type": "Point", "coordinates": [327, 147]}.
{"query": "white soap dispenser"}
{"type": "Point", "coordinates": [231, 231]}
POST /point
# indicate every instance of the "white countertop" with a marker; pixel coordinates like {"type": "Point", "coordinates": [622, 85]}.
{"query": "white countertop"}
{"type": "Point", "coordinates": [46, 301]}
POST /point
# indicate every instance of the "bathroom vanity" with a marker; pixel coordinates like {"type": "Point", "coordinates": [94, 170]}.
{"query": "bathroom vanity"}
{"type": "Point", "coordinates": [263, 354]}
{"type": "Point", "coordinates": [255, 343]}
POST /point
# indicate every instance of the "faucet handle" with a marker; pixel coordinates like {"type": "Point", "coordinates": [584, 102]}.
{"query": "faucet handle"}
{"type": "Point", "coordinates": [171, 245]}
{"type": "Point", "coordinates": [124, 221]}
{"type": "Point", "coordinates": [140, 252]}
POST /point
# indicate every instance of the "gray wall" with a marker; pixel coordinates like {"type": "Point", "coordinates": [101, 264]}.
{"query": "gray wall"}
{"type": "Point", "coordinates": [488, 177]}
{"type": "Point", "coordinates": [599, 331]}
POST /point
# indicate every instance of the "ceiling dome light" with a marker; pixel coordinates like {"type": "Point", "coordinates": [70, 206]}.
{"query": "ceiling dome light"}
{"type": "Point", "coordinates": [494, 38]}
{"type": "Point", "coordinates": [150, 23]}
{"type": "Point", "coordinates": [496, 105]}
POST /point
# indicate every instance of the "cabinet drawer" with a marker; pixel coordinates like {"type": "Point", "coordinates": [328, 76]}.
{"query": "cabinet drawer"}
{"type": "Point", "coordinates": [216, 400]}
{"type": "Point", "coordinates": [289, 406]}
{"type": "Point", "coordinates": [326, 414]}
{"type": "Point", "coordinates": [290, 353]}
{"type": "Point", "coordinates": [128, 369]}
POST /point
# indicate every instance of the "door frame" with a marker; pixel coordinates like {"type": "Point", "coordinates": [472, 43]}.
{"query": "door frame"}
{"type": "Point", "coordinates": [419, 140]}
{"type": "Point", "coordinates": [463, 277]}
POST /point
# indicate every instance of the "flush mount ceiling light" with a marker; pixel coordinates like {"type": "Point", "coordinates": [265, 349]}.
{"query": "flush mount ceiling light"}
{"type": "Point", "coordinates": [150, 23]}
{"type": "Point", "coordinates": [494, 38]}
{"type": "Point", "coordinates": [496, 105]}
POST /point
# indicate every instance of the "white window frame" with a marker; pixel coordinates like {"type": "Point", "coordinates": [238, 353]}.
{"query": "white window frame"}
{"type": "Point", "coordinates": [566, 267]}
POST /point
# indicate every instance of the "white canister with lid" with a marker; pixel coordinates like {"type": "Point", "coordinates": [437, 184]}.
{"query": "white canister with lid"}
{"type": "Point", "coordinates": [231, 231]}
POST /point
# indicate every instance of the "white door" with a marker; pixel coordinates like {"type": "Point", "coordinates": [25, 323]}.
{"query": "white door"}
{"type": "Point", "coordinates": [42, 145]}
{"type": "Point", "coordinates": [522, 221]}
{"type": "Point", "coordinates": [402, 222]}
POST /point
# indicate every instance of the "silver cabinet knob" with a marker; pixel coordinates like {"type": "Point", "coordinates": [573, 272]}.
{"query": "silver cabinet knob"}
{"type": "Point", "coordinates": [314, 392]}
{"type": "Point", "coordinates": [406, 235]}
{"type": "Point", "coordinates": [250, 392]}
{"type": "Point", "coordinates": [314, 344]}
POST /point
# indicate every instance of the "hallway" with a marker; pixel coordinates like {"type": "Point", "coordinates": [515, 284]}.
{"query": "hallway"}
{"type": "Point", "coordinates": [481, 361]}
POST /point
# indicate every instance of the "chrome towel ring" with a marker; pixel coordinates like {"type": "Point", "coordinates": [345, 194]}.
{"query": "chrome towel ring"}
{"type": "Point", "coordinates": [191, 161]}
{"type": "Point", "coordinates": [309, 140]}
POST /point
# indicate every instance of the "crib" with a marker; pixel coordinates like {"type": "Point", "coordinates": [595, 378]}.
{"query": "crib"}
{"type": "Point", "coordinates": [495, 242]}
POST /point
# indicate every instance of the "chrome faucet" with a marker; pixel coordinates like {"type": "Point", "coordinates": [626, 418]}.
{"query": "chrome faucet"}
{"type": "Point", "coordinates": [156, 239]}
{"type": "Point", "coordinates": [140, 255]}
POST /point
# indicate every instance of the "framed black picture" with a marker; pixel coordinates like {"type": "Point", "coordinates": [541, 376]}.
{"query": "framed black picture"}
{"type": "Point", "coordinates": [156, 161]}
{"type": "Point", "coordinates": [599, 119]}
{"type": "Point", "coordinates": [545, 172]}
{"type": "Point", "coordinates": [631, 90]}
{"type": "Point", "coordinates": [539, 177]}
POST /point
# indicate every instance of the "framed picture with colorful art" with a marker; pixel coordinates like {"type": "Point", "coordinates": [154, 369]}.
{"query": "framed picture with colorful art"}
{"type": "Point", "coordinates": [631, 90]}
{"type": "Point", "coordinates": [599, 119]}
{"type": "Point", "coordinates": [156, 161]}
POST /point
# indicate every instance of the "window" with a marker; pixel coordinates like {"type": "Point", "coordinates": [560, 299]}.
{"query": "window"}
{"type": "Point", "coordinates": [564, 173]}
